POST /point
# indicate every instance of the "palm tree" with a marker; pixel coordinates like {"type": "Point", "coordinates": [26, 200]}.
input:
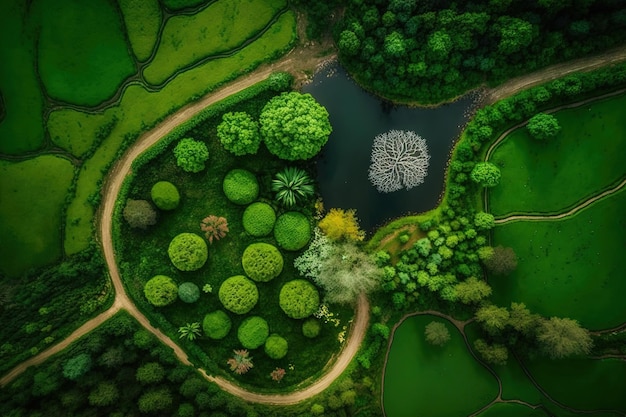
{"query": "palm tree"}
{"type": "Point", "coordinates": [292, 186]}
{"type": "Point", "coordinates": [191, 331]}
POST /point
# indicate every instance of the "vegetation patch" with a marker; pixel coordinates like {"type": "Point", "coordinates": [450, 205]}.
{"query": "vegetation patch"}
{"type": "Point", "coordinates": [239, 21]}
{"type": "Point", "coordinates": [292, 231]}
{"type": "Point", "coordinates": [31, 225]}
{"type": "Point", "coordinates": [241, 186]}
{"type": "Point", "coordinates": [420, 378]}
{"type": "Point", "coordinates": [299, 299]}
{"type": "Point", "coordinates": [571, 268]}
{"type": "Point", "coordinates": [554, 175]}
{"type": "Point", "coordinates": [142, 19]}
{"type": "Point", "coordinates": [238, 294]}
{"type": "Point", "coordinates": [161, 291]}
{"type": "Point", "coordinates": [253, 332]}
{"type": "Point", "coordinates": [165, 195]}
{"type": "Point", "coordinates": [188, 252]}
{"type": "Point", "coordinates": [83, 57]}
{"type": "Point", "coordinates": [216, 325]}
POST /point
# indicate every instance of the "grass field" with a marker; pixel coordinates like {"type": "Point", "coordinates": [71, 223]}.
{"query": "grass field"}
{"type": "Point", "coordinates": [582, 383]}
{"type": "Point", "coordinates": [143, 21]}
{"type": "Point", "coordinates": [21, 130]}
{"type": "Point", "coordinates": [512, 410]}
{"type": "Point", "coordinates": [220, 28]}
{"type": "Point", "coordinates": [424, 380]}
{"type": "Point", "coordinates": [83, 56]}
{"type": "Point", "coordinates": [140, 108]}
{"type": "Point", "coordinates": [180, 4]}
{"type": "Point", "coordinates": [32, 194]}
{"type": "Point", "coordinates": [569, 268]}
{"type": "Point", "coordinates": [552, 176]}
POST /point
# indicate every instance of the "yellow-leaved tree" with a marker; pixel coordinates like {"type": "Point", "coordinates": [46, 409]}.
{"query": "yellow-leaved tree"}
{"type": "Point", "coordinates": [341, 224]}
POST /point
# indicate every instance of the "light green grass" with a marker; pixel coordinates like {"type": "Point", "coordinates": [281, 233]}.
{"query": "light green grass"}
{"type": "Point", "coordinates": [569, 268]}
{"type": "Point", "coordinates": [430, 381]}
{"type": "Point", "coordinates": [143, 21]}
{"type": "Point", "coordinates": [78, 132]}
{"type": "Point", "coordinates": [585, 384]}
{"type": "Point", "coordinates": [22, 128]}
{"type": "Point", "coordinates": [512, 410]}
{"type": "Point", "coordinates": [219, 28]}
{"type": "Point", "coordinates": [83, 56]}
{"type": "Point", "coordinates": [180, 4]}
{"type": "Point", "coordinates": [140, 109]}
{"type": "Point", "coordinates": [551, 176]}
{"type": "Point", "coordinates": [32, 194]}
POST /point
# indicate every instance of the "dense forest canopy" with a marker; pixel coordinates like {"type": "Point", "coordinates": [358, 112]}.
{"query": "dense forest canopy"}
{"type": "Point", "coordinates": [432, 51]}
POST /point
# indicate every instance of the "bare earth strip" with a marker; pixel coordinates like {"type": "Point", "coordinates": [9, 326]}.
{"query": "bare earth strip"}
{"type": "Point", "coordinates": [300, 62]}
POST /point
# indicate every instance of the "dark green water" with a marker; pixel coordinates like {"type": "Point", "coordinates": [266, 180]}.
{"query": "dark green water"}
{"type": "Point", "coordinates": [357, 117]}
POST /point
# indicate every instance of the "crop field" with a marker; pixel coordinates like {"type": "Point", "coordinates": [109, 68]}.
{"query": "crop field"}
{"type": "Point", "coordinates": [33, 194]}
{"type": "Point", "coordinates": [591, 384]}
{"type": "Point", "coordinates": [569, 268]}
{"type": "Point", "coordinates": [427, 380]}
{"type": "Point", "coordinates": [143, 21]}
{"type": "Point", "coordinates": [220, 28]}
{"type": "Point", "coordinates": [83, 56]}
{"type": "Point", "coordinates": [551, 176]}
{"type": "Point", "coordinates": [21, 128]}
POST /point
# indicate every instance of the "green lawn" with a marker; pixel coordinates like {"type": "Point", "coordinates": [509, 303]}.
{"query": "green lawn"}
{"type": "Point", "coordinates": [220, 28]}
{"type": "Point", "coordinates": [143, 21]}
{"type": "Point", "coordinates": [430, 381]}
{"type": "Point", "coordinates": [140, 108]}
{"type": "Point", "coordinates": [21, 130]}
{"type": "Point", "coordinates": [569, 268]}
{"type": "Point", "coordinates": [32, 194]}
{"type": "Point", "coordinates": [584, 384]}
{"type": "Point", "coordinates": [512, 410]}
{"type": "Point", "coordinates": [83, 55]}
{"type": "Point", "coordinates": [181, 4]}
{"type": "Point", "coordinates": [553, 176]}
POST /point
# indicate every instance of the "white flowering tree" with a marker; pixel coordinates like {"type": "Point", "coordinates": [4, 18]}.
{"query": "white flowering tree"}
{"type": "Point", "coordinates": [400, 159]}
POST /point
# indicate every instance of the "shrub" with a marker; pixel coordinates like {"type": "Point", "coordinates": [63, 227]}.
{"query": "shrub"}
{"type": "Point", "coordinates": [139, 214]}
{"type": "Point", "coordinates": [311, 328]}
{"type": "Point", "coordinates": [241, 362]}
{"type": "Point", "coordinates": [160, 291]}
{"type": "Point", "coordinates": [292, 230]}
{"type": "Point", "coordinates": [191, 155]}
{"type": "Point", "coordinates": [240, 186]}
{"type": "Point", "coordinates": [502, 262]}
{"type": "Point", "coordinates": [292, 186]}
{"type": "Point", "coordinates": [259, 219]}
{"type": "Point", "coordinates": [276, 347]}
{"type": "Point", "coordinates": [77, 366]}
{"type": "Point", "coordinates": [150, 373]}
{"type": "Point", "coordinates": [437, 333]}
{"type": "Point", "coordinates": [238, 294]}
{"type": "Point", "coordinates": [253, 332]}
{"type": "Point", "coordinates": [299, 299]}
{"type": "Point", "coordinates": [216, 325]}
{"type": "Point", "coordinates": [341, 224]}
{"type": "Point", "coordinates": [165, 195]}
{"type": "Point", "coordinates": [294, 126]}
{"type": "Point", "coordinates": [262, 262]}
{"type": "Point", "coordinates": [239, 133]}
{"type": "Point", "coordinates": [214, 227]}
{"type": "Point", "coordinates": [484, 221]}
{"type": "Point", "coordinates": [188, 252]}
{"type": "Point", "coordinates": [188, 292]}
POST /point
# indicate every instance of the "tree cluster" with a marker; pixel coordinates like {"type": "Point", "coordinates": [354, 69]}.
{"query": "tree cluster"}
{"type": "Point", "coordinates": [434, 51]}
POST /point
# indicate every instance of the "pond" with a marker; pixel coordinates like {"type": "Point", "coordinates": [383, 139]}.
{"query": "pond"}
{"type": "Point", "coordinates": [357, 117]}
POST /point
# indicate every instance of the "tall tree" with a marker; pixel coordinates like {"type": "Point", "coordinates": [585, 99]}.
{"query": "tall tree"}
{"type": "Point", "coordinates": [563, 337]}
{"type": "Point", "coordinates": [493, 318]}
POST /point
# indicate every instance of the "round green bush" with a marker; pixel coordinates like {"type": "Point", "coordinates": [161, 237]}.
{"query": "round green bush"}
{"type": "Point", "coordinates": [292, 230]}
{"type": "Point", "coordinates": [216, 325]}
{"type": "Point", "coordinates": [188, 292]}
{"type": "Point", "coordinates": [299, 299]}
{"type": "Point", "coordinates": [165, 195]}
{"type": "Point", "coordinates": [311, 328]}
{"type": "Point", "coordinates": [262, 262]}
{"type": "Point", "coordinates": [188, 252]}
{"type": "Point", "coordinates": [259, 219]}
{"type": "Point", "coordinates": [160, 290]}
{"type": "Point", "coordinates": [238, 294]}
{"type": "Point", "coordinates": [276, 347]}
{"type": "Point", "coordinates": [253, 332]}
{"type": "Point", "coordinates": [240, 186]}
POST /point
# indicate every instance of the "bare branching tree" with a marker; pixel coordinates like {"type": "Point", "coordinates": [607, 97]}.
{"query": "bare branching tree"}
{"type": "Point", "coordinates": [400, 159]}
